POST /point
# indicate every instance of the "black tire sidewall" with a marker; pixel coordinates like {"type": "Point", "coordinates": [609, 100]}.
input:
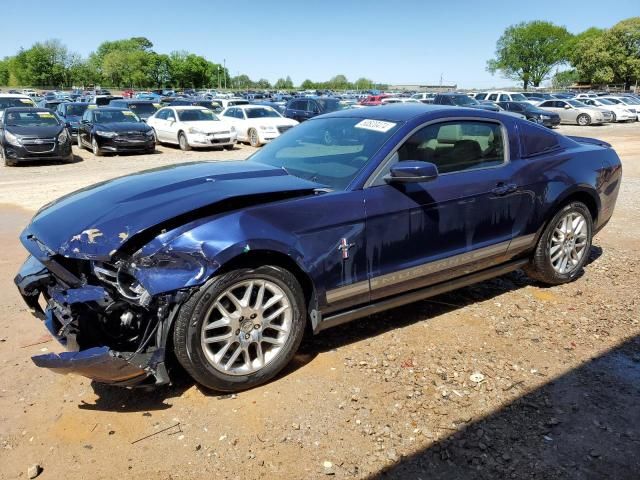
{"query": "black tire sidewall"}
{"type": "Point", "coordinates": [193, 315]}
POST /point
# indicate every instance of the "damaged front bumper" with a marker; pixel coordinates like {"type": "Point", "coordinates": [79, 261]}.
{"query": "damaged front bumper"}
{"type": "Point", "coordinates": [78, 317]}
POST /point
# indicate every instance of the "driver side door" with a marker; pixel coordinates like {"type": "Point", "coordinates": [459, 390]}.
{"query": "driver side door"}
{"type": "Point", "coordinates": [423, 233]}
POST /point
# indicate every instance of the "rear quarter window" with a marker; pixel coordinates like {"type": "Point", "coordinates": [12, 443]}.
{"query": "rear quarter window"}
{"type": "Point", "coordinates": [536, 140]}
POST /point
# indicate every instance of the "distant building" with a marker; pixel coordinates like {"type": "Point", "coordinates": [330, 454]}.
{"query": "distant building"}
{"type": "Point", "coordinates": [424, 88]}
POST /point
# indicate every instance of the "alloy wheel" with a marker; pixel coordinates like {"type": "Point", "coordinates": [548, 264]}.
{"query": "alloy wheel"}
{"type": "Point", "coordinates": [246, 327]}
{"type": "Point", "coordinates": [568, 242]}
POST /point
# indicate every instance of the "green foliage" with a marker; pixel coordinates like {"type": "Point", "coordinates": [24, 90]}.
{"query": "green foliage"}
{"type": "Point", "coordinates": [528, 51]}
{"type": "Point", "coordinates": [564, 79]}
{"type": "Point", "coordinates": [4, 72]}
{"type": "Point", "coordinates": [608, 56]}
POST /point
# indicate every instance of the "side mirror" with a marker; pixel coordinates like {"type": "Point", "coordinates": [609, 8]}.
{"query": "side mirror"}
{"type": "Point", "coordinates": [67, 124]}
{"type": "Point", "coordinates": [84, 121]}
{"type": "Point", "coordinates": [412, 171]}
{"type": "Point", "coordinates": [567, 107]}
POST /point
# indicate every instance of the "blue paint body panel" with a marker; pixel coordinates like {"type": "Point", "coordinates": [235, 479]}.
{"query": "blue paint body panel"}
{"type": "Point", "coordinates": [177, 226]}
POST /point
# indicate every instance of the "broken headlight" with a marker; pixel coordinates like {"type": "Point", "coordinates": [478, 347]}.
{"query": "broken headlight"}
{"type": "Point", "coordinates": [122, 277]}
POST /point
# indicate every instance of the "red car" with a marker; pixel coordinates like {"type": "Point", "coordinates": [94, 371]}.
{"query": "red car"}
{"type": "Point", "coordinates": [128, 93]}
{"type": "Point", "coordinates": [372, 100]}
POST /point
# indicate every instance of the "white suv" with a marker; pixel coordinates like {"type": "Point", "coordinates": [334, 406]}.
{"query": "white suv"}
{"type": "Point", "coordinates": [503, 96]}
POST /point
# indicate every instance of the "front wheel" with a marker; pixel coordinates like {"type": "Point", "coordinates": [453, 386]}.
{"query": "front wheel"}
{"type": "Point", "coordinates": [254, 139]}
{"type": "Point", "coordinates": [563, 247]}
{"type": "Point", "coordinates": [584, 119]}
{"type": "Point", "coordinates": [95, 147]}
{"type": "Point", "coordinates": [242, 329]}
{"type": "Point", "coordinates": [6, 161]}
{"type": "Point", "coordinates": [184, 143]}
{"type": "Point", "coordinates": [229, 147]}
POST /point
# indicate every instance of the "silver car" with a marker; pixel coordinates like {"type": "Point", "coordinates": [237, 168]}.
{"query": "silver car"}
{"type": "Point", "coordinates": [574, 111]}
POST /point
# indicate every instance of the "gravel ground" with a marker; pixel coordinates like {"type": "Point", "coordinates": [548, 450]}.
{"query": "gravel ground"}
{"type": "Point", "coordinates": [504, 379]}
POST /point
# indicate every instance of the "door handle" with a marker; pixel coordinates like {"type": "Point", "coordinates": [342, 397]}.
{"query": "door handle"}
{"type": "Point", "coordinates": [504, 188]}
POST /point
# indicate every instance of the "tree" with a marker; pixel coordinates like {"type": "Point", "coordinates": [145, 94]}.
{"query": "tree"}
{"type": "Point", "coordinates": [564, 79]}
{"type": "Point", "coordinates": [4, 72]}
{"type": "Point", "coordinates": [308, 85]}
{"type": "Point", "coordinates": [528, 51]}
{"type": "Point", "coordinates": [623, 46]}
{"type": "Point", "coordinates": [363, 84]}
{"type": "Point", "coordinates": [242, 82]}
{"type": "Point", "coordinates": [263, 83]}
{"type": "Point", "coordinates": [590, 57]}
{"type": "Point", "coordinates": [339, 82]}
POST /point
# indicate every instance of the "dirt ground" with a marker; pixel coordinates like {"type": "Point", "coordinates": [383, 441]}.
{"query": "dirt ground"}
{"type": "Point", "coordinates": [504, 379]}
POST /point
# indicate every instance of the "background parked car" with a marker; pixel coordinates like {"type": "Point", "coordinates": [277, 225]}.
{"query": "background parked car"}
{"type": "Point", "coordinates": [631, 103]}
{"type": "Point", "coordinates": [192, 126]}
{"type": "Point", "coordinates": [28, 134]}
{"type": "Point", "coordinates": [301, 109]}
{"type": "Point", "coordinates": [257, 124]}
{"type": "Point", "coordinates": [71, 113]}
{"type": "Point", "coordinates": [114, 130]}
{"type": "Point", "coordinates": [461, 100]}
{"type": "Point", "coordinates": [424, 97]}
{"type": "Point", "coordinates": [533, 113]}
{"type": "Point", "coordinates": [573, 111]}
{"type": "Point", "coordinates": [142, 108]}
{"type": "Point", "coordinates": [621, 113]}
{"type": "Point", "coordinates": [8, 100]}
{"type": "Point", "coordinates": [213, 105]}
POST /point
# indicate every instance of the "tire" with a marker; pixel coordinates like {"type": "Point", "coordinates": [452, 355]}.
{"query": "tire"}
{"type": "Point", "coordinates": [95, 148]}
{"type": "Point", "coordinates": [229, 147]}
{"type": "Point", "coordinates": [240, 334]}
{"type": "Point", "coordinates": [546, 263]}
{"type": "Point", "coordinates": [254, 139]}
{"type": "Point", "coordinates": [183, 142]}
{"type": "Point", "coordinates": [5, 160]}
{"type": "Point", "coordinates": [79, 142]}
{"type": "Point", "coordinates": [583, 120]}
{"type": "Point", "coordinates": [614, 119]}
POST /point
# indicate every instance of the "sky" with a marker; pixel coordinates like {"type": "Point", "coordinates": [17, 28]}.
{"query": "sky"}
{"type": "Point", "coordinates": [403, 42]}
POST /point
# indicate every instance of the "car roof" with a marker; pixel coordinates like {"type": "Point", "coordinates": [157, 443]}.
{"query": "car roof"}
{"type": "Point", "coordinates": [13, 95]}
{"type": "Point", "coordinates": [400, 112]}
{"type": "Point", "coordinates": [107, 109]}
{"type": "Point", "coordinates": [186, 107]}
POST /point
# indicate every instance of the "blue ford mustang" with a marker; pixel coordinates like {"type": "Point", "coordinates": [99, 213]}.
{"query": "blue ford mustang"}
{"type": "Point", "coordinates": [225, 265]}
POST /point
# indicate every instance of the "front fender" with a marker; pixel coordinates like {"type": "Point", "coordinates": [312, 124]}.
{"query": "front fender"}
{"type": "Point", "coordinates": [195, 255]}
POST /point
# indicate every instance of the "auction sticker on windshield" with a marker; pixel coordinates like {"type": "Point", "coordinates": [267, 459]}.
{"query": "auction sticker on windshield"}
{"type": "Point", "coordinates": [26, 100]}
{"type": "Point", "coordinates": [45, 114]}
{"type": "Point", "coordinates": [375, 125]}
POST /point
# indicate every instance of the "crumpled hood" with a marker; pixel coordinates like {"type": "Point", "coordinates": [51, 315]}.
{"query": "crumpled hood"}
{"type": "Point", "coordinates": [94, 222]}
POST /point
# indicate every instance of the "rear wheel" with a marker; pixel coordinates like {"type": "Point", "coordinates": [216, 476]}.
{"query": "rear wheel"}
{"type": "Point", "coordinates": [184, 144]}
{"type": "Point", "coordinates": [79, 141]}
{"type": "Point", "coordinates": [583, 119]}
{"type": "Point", "coordinates": [241, 329]}
{"type": "Point", "coordinates": [563, 247]}
{"type": "Point", "coordinates": [614, 119]}
{"type": "Point", "coordinates": [95, 148]}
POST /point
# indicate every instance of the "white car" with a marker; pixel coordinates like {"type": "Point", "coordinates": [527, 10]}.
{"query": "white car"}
{"type": "Point", "coordinates": [232, 101]}
{"type": "Point", "coordinates": [14, 100]}
{"type": "Point", "coordinates": [629, 103]}
{"type": "Point", "coordinates": [504, 97]}
{"type": "Point", "coordinates": [257, 124]}
{"type": "Point", "coordinates": [621, 113]}
{"type": "Point", "coordinates": [191, 127]}
{"type": "Point", "coordinates": [424, 97]}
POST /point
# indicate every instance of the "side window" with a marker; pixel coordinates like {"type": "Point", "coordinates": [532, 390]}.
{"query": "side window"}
{"type": "Point", "coordinates": [504, 97]}
{"type": "Point", "coordinates": [171, 115]}
{"type": "Point", "coordinates": [492, 97]}
{"type": "Point", "coordinates": [480, 96]}
{"type": "Point", "coordinates": [536, 140]}
{"type": "Point", "coordinates": [86, 116]}
{"type": "Point", "coordinates": [239, 114]}
{"type": "Point", "coordinates": [456, 146]}
{"type": "Point", "coordinates": [162, 114]}
{"type": "Point", "coordinates": [230, 113]}
{"type": "Point", "coordinates": [303, 105]}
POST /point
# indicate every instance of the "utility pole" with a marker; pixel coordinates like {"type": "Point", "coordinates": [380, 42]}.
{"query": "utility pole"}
{"type": "Point", "coordinates": [224, 62]}
{"type": "Point", "coordinates": [218, 77]}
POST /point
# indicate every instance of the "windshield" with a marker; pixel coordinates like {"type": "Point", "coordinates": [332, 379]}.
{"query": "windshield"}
{"type": "Point", "coordinates": [329, 151]}
{"type": "Point", "coordinates": [463, 100]}
{"type": "Point", "coordinates": [631, 101]}
{"type": "Point", "coordinates": [31, 119]}
{"type": "Point", "coordinates": [330, 105]}
{"type": "Point", "coordinates": [142, 108]}
{"type": "Point", "coordinates": [233, 103]}
{"type": "Point", "coordinates": [615, 101]}
{"type": "Point", "coordinates": [76, 110]}
{"type": "Point", "coordinates": [15, 102]}
{"type": "Point", "coordinates": [115, 116]}
{"type": "Point", "coordinates": [576, 103]}
{"type": "Point", "coordinates": [261, 113]}
{"type": "Point", "coordinates": [604, 101]}
{"type": "Point", "coordinates": [197, 115]}
{"type": "Point", "coordinates": [518, 97]}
